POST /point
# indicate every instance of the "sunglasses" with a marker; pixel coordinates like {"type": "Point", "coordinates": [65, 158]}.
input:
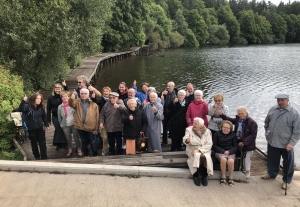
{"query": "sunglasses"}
{"type": "Point", "coordinates": [218, 100]}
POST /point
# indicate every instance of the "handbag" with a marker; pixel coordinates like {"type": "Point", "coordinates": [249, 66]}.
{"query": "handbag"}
{"type": "Point", "coordinates": [96, 142]}
{"type": "Point", "coordinates": [142, 143]}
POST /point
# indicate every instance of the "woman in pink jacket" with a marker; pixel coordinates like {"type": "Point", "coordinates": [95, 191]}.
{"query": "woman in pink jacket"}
{"type": "Point", "coordinates": [198, 108]}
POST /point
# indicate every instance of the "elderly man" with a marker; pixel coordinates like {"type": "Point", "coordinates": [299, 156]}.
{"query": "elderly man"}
{"type": "Point", "coordinates": [198, 143]}
{"type": "Point", "coordinates": [143, 94]}
{"type": "Point", "coordinates": [86, 118]}
{"type": "Point", "coordinates": [111, 116]}
{"type": "Point", "coordinates": [131, 95]}
{"type": "Point", "coordinates": [168, 97]}
{"type": "Point", "coordinates": [282, 126]}
{"type": "Point", "coordinates": [190, 92]}
{"type": "Point", "coordinates": [245, 129]}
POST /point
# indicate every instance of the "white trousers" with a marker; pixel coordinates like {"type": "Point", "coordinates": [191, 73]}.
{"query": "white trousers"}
{"type": "Point", "coordinates": [247, 161]}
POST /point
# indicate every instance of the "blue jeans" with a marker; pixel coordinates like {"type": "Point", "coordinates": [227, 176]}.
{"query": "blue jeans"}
{"type": "Point", "coordinates": [273, 163]}
{"type": "Point", "coordinates": [86, 139]}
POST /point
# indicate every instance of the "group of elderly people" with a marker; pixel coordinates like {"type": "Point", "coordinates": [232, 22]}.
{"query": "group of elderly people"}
{"type": "Point", "coordinates": [131, 114]}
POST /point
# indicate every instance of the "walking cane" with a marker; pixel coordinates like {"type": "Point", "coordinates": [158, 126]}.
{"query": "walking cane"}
{"type": "Point", "coordinates": [285, 171]}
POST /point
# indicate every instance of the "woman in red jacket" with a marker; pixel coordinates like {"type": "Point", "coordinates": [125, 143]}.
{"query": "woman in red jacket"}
{"type": "Point", "coordinates": [198, 108]}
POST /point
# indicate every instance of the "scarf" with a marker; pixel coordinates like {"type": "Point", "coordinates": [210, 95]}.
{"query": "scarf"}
{"type": "Point", "coordinates": [182, 103]}
{"type": "Point", "coordinates": [201, 132]}
{"type": "Point", "coordinates": [239, 131]}
{"type": "Point", "coordinates": [65, 106]}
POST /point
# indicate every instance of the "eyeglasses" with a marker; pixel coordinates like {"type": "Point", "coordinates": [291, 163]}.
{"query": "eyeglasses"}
{"type": "Point", "coordinates": [218, 100]}
{"type": "Point", "coordinates": [79, 82]}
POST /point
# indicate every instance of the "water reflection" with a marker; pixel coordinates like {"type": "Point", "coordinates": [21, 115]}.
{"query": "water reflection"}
{"type": "Point", "coordinates": [247, 76]}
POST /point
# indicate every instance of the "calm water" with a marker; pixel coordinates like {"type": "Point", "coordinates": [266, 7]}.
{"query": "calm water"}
{"type": "Point", "coordinates": [247, 76]}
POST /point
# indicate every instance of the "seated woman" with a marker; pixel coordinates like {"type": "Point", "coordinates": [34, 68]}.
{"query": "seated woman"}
{"type": "Point", "coordinates": [225, 147]}
{"type": "Point", "coordinates": [198, 143]}
{"type": "Point", "coordinates": [245, 129]}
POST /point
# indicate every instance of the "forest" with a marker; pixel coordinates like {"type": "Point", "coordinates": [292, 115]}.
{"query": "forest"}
{"type": "Point", "coordinates": [42, 39]}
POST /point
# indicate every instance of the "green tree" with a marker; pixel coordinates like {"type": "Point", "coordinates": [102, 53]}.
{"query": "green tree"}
{"type": "Point", "coordinates": [279, 26]}
{"type": "Point", "coordinates": [194, 4]}
{"type": "Point", "coordinates": [197, 25]}
{"type": "Point", "coordinates": [293, 28]}
{"type": "Point", "coordinates": [174, 6]}
{"type": "Point", "coordinates": [218, 35]}
{"type": "Point", "coordinates": [43, 37]}
{"type": "Point", "coordinates": [226, 17]}
{"type": "Point", "coordinates": [126, 26]}
{"type": "Point", "coordinates": [11, 88]}
{"type": "Point", "coordinates": [182, 27]}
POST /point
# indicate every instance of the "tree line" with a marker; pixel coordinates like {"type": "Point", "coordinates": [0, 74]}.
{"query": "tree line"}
{"type": "Point", "coordinates": [42, 39]}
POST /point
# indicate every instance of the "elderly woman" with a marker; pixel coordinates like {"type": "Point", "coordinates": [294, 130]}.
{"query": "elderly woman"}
{"type": "Point", "coordinates": [246, 132]}
{"type": "Point", "coordinates": [83, 82]}
{"type": "Point", "coordinates": [198, 143]}
{"type": "Point", "coordinates": [135, 124]}
{"type": "Point", "coordinates": [59, 139]}
{"type": "Point", "coordinates": [65, 115]}
{"type": "Point", "coordinates": [215, 120]}
{"type": "Point", "coordinates": [122, 91]}
{"type": "Point", "coordinates": [225, 147]}
{"type": "Point", "coordinates": [147, 100]}
{"type": "Point", "coordinates": [154, 113]}
{"type": "Point", "coordinates": [177, 123]}
{"type": "Point", "coordinates": [198, 108]}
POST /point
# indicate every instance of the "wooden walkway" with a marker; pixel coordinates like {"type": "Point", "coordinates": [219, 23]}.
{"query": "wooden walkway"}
{"type": "Point", "coordinates": [90, 66]}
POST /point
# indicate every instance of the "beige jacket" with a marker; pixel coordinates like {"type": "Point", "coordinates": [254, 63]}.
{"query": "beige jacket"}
{"type": "Point", "coordinates": [91, 123]}
{"type": "Point", "coordinates": [204, 145]}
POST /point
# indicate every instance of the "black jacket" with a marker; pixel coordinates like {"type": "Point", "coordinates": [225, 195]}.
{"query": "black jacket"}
{"type": "Point", "coordinates": [100, 102]}
{"type": "Point", "coordinates": [225, 142]}
{"type": "Point", "coordinates": [177, 122]}
{"type": "Point", "coordinates": [52, 105]}
{"type": "Point", "coordinates": [132, 128]}
{"type": "Point", "coordinates": [249, 131]}
{"type": "Point", "coordinates": [35, 118]}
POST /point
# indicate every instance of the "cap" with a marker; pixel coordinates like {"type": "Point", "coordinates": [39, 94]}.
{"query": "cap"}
{"type": "Point", "coordinates": [114, 94]}
{"type": "Point", "coordinates": [283, 95]}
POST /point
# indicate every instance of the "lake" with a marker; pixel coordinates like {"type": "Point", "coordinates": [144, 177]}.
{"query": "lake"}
{"type": "Point", "coordinates": [247, 76]}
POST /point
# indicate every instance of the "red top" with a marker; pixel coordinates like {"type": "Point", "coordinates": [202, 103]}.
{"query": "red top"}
{"type": "Point", "coordinates": [197, 109]}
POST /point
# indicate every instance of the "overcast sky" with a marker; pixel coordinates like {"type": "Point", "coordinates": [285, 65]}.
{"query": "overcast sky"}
{"type": "Point", "coordinates": [278, 1]}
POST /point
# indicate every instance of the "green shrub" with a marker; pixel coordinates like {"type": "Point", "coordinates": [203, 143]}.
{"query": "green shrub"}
{"type": "Point", "coordinates": [11, 94]}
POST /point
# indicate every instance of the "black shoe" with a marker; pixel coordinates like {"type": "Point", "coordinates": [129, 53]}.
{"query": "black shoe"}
{"type": "Point", "coordinates": [57, 148]}
{"type": "Point", "coordinates": [196, 179]}
{"type": "Point", "coordinates": [37, 158]}
{"type": "Point", "coordinates": [204, 180]}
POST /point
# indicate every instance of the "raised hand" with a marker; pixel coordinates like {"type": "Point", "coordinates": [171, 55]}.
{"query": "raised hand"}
{"type": "Point", "coordinates": [204, 101]}
{"type": "Point", "coordinates": [154, 109]}
{"type": "Point", "coordinates": [130, 117]}
{"type": "Point", "coordinates": [134, 82]}
{"type": "Point", "coordinates": [64, 83]}
{"type": "Point", "coordinates": [25, 98]}
{"type": "Point", "coordinates": [175, 99]}
{"type": "Point", "coordinates": [116, 106]}
{"type": "Point", "coordinates": [93, 95]}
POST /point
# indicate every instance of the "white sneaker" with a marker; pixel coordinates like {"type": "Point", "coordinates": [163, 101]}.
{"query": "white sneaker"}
{"type": "Point", "coordinates": [247, 174]}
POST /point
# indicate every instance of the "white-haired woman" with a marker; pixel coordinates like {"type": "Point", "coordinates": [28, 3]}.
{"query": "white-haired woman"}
{"type": "Point", "coordinates": [154, 113]}
{"type": "Point", "coordinates": [198, 143]}
{"type": "Point", "coordinates": [246, 131]}
{"type": "Point", "coordinates": [198, 108]}
{"type": "Point", "coordinates": [135, 125]}
{"type": "Point", "coordinates": [177, 123]}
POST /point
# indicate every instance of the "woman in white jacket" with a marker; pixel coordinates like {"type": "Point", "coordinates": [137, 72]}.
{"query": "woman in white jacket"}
{"type": "Point", "coordinates": [198, 143]}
